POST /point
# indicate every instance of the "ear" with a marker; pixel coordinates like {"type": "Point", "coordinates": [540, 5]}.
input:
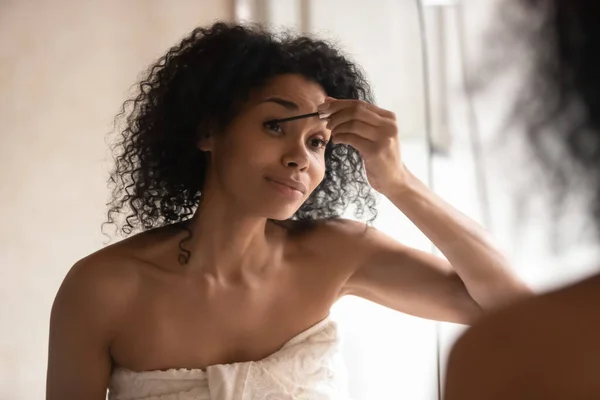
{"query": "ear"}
{"type": "Point", "coordinates": [205, 141]}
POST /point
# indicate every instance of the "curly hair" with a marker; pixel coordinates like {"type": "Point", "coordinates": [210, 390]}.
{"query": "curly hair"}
{"type": "Point", "coordinates": [553, 47]}
{"type": "Point", "coordinates": [159, 173]}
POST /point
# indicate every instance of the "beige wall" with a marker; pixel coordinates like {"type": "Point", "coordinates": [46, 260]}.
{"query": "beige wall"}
{"type": "Point", "coordinates": [65, 67]}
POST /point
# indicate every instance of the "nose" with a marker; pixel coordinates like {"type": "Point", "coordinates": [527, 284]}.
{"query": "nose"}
{"type": "Point", "coordinates": [296, 157]}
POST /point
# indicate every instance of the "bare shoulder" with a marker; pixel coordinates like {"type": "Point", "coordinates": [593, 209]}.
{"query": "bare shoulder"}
{"type": "Point", "coordinates": [356, 241]}
{"type": "Point", "coordinates": [331, 248]}
{"type": "Point", "coordinates": [340, 232]}
{"type": "Point", "coordinates": [103, 283]}
{"type": "Point", "coordinates": [359, 235]}
{"type": "Point", "coordinates": [546, 337]}
{"type": "Point", "coordinates": [339, 237]}
{"type": "Point", "coordinates": [86, 315]}
{"type": "Point", "coordinates": [115, 271]}
{"type": "Point", "coordinates": [100, 271]}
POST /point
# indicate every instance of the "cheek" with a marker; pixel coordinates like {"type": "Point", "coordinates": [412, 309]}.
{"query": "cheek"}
{"type": "Point", "coordinates": [317, 171]}
{"type": "Point", "coordinates": [241, 157]}
{"type": "Point", "coordinates": [250, 144]}
{"type": "Point", "coordinates": [229, 160]}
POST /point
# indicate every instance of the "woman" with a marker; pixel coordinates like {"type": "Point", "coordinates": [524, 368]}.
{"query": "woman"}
{"type": "Point", "coordinates": [547, 347]}
{"type": "Point", "coordinates": [240, 154]}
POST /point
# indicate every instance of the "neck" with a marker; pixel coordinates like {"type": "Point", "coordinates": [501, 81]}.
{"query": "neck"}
{"type": "Point", "coordinates": [226, 241]}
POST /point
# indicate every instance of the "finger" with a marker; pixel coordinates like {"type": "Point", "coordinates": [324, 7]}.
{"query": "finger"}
{"type": "Point", "coordinates": [362, 145]}
{"type": "Point", "coordinates": [356, 127]}
{"type": "Point", "coordinates": [387, 114]}
{"type": "Point", "coordinates": [361, 118]}
{"type": "Point", "coordinates": [332, 105]}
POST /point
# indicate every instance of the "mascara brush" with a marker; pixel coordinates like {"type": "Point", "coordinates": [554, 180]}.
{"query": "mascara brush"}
{"type": "Point", "coordinates": [314, 114]}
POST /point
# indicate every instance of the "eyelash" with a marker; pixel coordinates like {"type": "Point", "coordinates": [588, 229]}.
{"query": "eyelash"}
{"type": "Point", "coordinates": [323, 143]}
{"type": "Point", "coordinates": [271, 124]}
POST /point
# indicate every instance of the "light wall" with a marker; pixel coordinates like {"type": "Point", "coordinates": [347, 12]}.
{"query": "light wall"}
{"type": "Point", "coordinates": [65, 68]}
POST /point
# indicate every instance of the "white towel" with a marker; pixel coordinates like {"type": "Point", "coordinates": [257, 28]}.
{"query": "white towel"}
{"type": "Point", "coordinates": [309, 366]}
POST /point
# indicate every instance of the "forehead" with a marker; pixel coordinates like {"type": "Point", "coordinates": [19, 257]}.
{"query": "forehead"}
{"type": "Point", "coordinates": [305, 93]}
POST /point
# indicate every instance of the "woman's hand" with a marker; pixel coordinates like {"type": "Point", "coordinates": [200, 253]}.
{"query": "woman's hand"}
{"type": "Point", "coordinates": [373, 132]}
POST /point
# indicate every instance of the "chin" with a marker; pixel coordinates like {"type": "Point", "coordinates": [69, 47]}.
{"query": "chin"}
{"type": "Point", "coordinates": [279, 212]}
{"type": "Point", "coordinates": [281, 216]}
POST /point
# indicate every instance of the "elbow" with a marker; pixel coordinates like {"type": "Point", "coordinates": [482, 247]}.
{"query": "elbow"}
{"type": "Point", "coordinates": [520, 292]}
{"type": "Point", "coordinates": [472, 313]}
{"type": "Point", "coordinates": [500, 296]}
{"type": "Point", "coordinates": [513, 292]}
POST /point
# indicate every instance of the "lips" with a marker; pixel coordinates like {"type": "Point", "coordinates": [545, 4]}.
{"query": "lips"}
{"type": "Point", "coordinates": [296, 185]}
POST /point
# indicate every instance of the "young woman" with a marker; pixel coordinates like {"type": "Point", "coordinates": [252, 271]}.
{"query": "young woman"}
{"type": "Point", "coordinates": [240, 154]}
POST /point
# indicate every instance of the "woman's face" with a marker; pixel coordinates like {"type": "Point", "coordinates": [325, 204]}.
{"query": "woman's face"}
{"type": "Point", "coordinates": [254, 164]}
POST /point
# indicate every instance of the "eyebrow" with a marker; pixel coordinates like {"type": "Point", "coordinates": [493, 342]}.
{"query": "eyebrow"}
{"type": "Point", "coordinates": [290, 105]}
{"type": "Point", "coordinates": [314, 114]}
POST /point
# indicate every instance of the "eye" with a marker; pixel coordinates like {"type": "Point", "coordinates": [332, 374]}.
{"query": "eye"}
{"type": "Point", "coordinates": [319, 143]}
{"type": "Point", "coordinates": [273, 126]}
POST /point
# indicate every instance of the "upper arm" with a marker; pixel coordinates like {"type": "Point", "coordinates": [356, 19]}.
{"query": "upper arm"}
{"type": "Point", "coordinates": [408, 280]}
{"type": "Point", "coordinates": [83, 321]}
{"type": "Point", "coordinates": [486, 364]}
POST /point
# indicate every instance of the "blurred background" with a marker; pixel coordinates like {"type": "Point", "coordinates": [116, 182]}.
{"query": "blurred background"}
{"type": "Point", "coordinates": [66, 66]}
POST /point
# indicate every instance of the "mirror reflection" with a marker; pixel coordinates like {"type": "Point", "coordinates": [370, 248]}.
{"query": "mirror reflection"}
{"type": "Point", "coordinates": [290, 199]}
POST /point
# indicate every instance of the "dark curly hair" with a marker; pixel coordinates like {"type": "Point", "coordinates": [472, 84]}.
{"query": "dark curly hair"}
{"type": "Point", "coordinates": [159, 173]}
{"type": "Point", "coordinates": [553, 46]}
